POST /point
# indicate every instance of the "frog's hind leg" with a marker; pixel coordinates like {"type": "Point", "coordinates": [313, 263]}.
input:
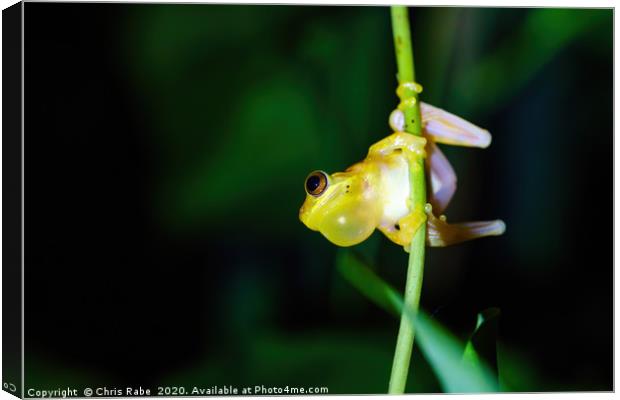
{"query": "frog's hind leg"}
{"type": "Point", "coordinates": [441, 178]}
{"type": "Point", "coordinates": [440, 233]}
{"type": "Point", "coordinates": [443, 127]}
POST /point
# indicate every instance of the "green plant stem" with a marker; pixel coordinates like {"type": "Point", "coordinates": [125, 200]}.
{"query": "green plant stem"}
{"type": "Point", "coordinates": [413, 125]}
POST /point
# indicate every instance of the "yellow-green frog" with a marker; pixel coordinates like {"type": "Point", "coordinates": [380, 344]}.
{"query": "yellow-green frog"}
{"type": "Point", "coordinates": [346, 207]}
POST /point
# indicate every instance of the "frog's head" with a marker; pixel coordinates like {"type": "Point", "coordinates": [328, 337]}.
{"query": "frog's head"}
{"type": "Point", "coordinates": [340, 206]}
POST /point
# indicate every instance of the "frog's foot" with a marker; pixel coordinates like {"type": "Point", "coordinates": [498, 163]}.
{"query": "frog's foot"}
{"type": "Point", "coordinates": [447, 128]}
{"type": "Point", "coordinates": [440, 233]}
{"type": "Point", "coordinates": [441, 178]}
{"type": "Point", "coordinates": [402, 232]}
{"type": "Point", "coordinates": [402, 141]}
{"type": "Point", "coordinates": [407, 92]}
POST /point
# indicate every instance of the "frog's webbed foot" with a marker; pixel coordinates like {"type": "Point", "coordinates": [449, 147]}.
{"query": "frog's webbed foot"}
{"type": "Point", "coordinates": [439, 233]}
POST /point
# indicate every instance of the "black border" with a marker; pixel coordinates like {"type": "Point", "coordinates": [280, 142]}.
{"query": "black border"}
{"type": "Point", "coordinates": [12, 158]}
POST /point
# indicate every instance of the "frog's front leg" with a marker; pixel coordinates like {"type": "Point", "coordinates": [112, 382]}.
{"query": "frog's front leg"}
{"type": "Point", "coordinates": [399, 141]}
{"type": "Point", "coordinates": [402, 232]}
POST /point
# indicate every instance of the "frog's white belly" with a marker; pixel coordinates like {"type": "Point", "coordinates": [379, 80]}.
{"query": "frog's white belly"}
{"type": "Point", "coordinates": [395, 190]}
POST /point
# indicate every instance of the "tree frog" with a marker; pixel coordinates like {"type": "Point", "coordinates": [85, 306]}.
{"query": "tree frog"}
{"type": "Point", "coordinates": [375, 193]}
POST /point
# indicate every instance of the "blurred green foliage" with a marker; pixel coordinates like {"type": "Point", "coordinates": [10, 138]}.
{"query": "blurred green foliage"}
{"type": "Point", "coordinates": [263, 112]}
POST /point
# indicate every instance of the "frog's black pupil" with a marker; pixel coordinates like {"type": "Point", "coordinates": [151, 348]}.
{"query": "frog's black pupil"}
{"type": "Point", "coordinates": [313, 183]}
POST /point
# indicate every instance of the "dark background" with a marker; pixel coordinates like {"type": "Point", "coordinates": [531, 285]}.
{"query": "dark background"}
{"type": "Point", "coordinates": [166, 148]}
{"type": "Point", "coordinates": [12, 332]}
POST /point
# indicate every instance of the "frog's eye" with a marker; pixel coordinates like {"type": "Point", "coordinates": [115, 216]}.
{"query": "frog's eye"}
{"type": "Point", "coordinates": [316, 183]}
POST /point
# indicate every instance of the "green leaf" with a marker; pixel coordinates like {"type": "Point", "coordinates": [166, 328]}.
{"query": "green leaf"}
{"type": "Point", "coordinates": [482, 345]}
{"type": "Point", "coordinates": [365, 280]}
{"type": "Point", "coordinates": [443, 351]}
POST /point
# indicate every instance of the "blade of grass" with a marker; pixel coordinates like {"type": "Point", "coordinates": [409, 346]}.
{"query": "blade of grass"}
{"type": "Point", "coordinates": [378, 291]}
{"type": "Point", "coordinates": [482, 345]}
{"type": "Point", "coordinates": [445, 354]}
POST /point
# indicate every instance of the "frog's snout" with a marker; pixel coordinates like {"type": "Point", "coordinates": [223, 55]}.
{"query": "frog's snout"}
{"type": "Point", "coordinates": [304, 215]}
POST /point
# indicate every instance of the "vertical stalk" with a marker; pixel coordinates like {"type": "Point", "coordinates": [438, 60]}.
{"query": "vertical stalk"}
{"type": "Point", "coordinates": [413, 124]}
